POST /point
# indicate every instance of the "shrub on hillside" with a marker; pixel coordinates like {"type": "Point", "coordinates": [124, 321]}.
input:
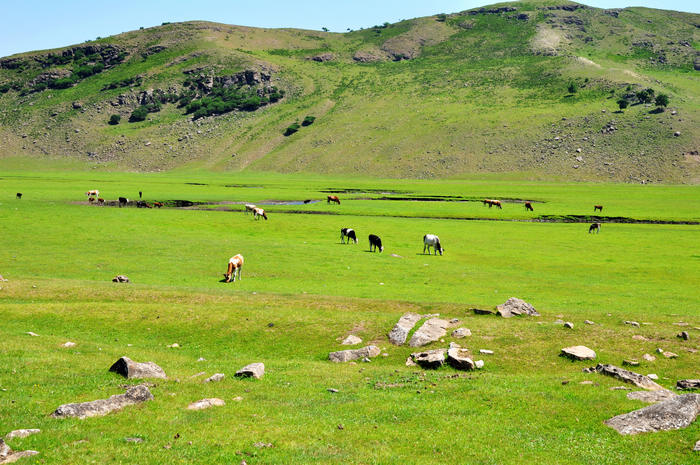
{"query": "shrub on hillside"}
{"type": "Point", "coordinates": [115, 119]}
{"type": "Point", "coordinates": [645, 96]}
{"type": "Point", "coordinates": [661, 100]}
{"type": "Point", "coordinates": [291, 129]}
{"type": "Point", "coordinates": [139, 114]}
{"type": "Point", "coordinates": [308, 121]}
{"type": "Point", "coordinates": [572, 88]}
{"type": "Point", "coordinates": [622, 103]}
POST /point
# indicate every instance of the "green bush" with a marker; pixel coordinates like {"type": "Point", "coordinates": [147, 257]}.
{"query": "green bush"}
{"type": "Point", "coordinates": [5, 88]}
{"type": "Point", "coordinates": [441, 17]}
{"type": "Point", "coordinates": [62, 83]}
{"type": "Point", "coordinates": [645, 96]}
{"type": "Point", "coordinates": [308, 121]}
{"type": "Point", "coordinates": [139, 114]}
{"type": "Point", "coordinates": [291, 129]}
{"type": "Point", "coordinates": [623, 103]}
{"type": "Point", "coordinates": [572, 88]}
{"type": "Point", "coordinates": [115, 119]}
{"type": "Point", "coordinates": [662, 100]}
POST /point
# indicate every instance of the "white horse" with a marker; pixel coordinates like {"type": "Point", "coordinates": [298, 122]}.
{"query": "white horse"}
{"type": "Point", "coordinates": [431, 240]}
{"type": "Point", "coordinates": [235, 264]}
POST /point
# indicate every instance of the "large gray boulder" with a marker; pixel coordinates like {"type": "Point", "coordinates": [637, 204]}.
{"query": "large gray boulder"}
{"type": "Point", "coordinates": [130, 369]}
{"type": "Point", "coordinates": [578, 353]}
{"type": "Point", "coordinates": [674, 413]}
{"type": "Point", "coordinates": [399, 332]}
{"type": "Point", "coordinates": [459, 359]}
{"type": "Point", "coordinates": [253, 370]}
{"type": "Point", "coordinates": [430, 358]}
{"type": "Point", "coordinates": [353, 354]}
{"type": "Point", "coordinates": [7, 455]}
{"type": "Point", "coordinates": [631, 377]}
{"type": "Point", "coordinates": [688, 384]}
{"type": "Point", "coordinates": [650, 397]}
{"type": "Point", "coordinates": [431, 331]}
{"type": "Point", "coordinates": [133, 395]}
{"type": "Point", "coordinates": [515, 306]}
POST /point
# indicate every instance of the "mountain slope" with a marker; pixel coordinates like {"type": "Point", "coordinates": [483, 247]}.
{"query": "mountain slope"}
{"type": "Point", "coordinates": [524, 86]}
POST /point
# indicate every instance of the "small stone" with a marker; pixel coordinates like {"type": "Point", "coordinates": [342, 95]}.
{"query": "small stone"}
{"type": "Point", "coordinates": [206, 403]}
{"type": "Point", "coordinates": [332, 390]}
{"type": "Point", "coordinates": [578, 353]}
{"type": "Point", "coordinates": [254, 370]}
{"type": "Point", "coordinates": [134, 440]}
{"type": "Point", "coordinates": [479, 364]}
{"type": "Point", "coordinates": [459, 359]}
{"type": "Point", "coordinates": [120, 278]}
{"type": "Point", "coordinates": [215, 378]}
{"type": "Point", "coordinates": [648, 357]}
{"type": "Point", "coordinates": [628, 377]}
{"type": "Point", "coordinates": [588, 322]}
{"type": "Point", "coordinates": [21, 433]}
{"type": "Point", "coordinates": [351, 340]}
{"type": "Point", "coordinates": [632, 363]}
{"type": "Point", "coordinates": [683, 335]}
{"type": "Point", "coordinates": [430, 358]}
{"type": "Point", "coordinates": [461, 332]}
{"type": "Point", "coordinates": [515, 306]}
{"type": "Point", "coordinates": [653, 376]}
{"type": "Point", "coordinates": [68, 344]}
{"type": "Point", "coordinates": [486, 352]}
{"type": "Point", "coordinates": [632, 323]}
{"type": "Point", "coordinates": [262, 445]}
{"type": "Point", "coordinates": [32, 334]}
{"type": "Point", "coordinates": [569, 325]}
{"type": "Point", "coordinates": [677, 133]}
{"type": "Point", "coordinates": [201, 359]}
{"type": "Point", "coordinates": [130, 369]}
{"type": "Point", "coordinates": [697, 446]}
{"type": "Point", "coordinates": [669, 354]}
{"type": "Point", "coordinates": [238, 398]}
{"type": "Point", "coordinates": [174, 345]}
{"type": "Point", "coordinates": [586, 382]}
{"type": "Point", "coordinates": [620, 388]}
{"type": "Point", "coordinates": [639, 337]}
{"type": "Point", "coordinates": [454, 345]}
{"type": "Point", "coordinates": [410, 362]}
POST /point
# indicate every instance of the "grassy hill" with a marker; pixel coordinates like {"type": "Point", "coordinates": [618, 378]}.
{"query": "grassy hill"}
{"type": "Point", "coordinates": [529, 87]}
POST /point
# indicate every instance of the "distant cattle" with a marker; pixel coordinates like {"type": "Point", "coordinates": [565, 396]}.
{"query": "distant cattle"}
{"type": "Point", "coordinates": [307, 201]}
{"type": "Point", "coordinates": [142, 204]}
{"type": "Point", "coordinates": [492, 203]}
{"type": "Point", "coordinates": [94, 192]}
{"type": "Point", "coordinates": [431, 240]}
{"type": "Point", "coordinates": [158, 204]}
{"type": "Point", "coordinates": [258, 212]}
{"type": "Point", "coordinates": [100, 201]}
{"type": "Point", "coordinates": [528, 206]}
{"type": "Point", "coordinates": [123, 201]}
{"type": "Point", "coordinates": [349, 233]}
{"type": "Point", "coordinates": [375, 243]}
{"type": "Point", "coordinates": [249, 207]}
{"type": "Point", "coordinates": [19, 195]}
{"type": "Point", "coordinates": [235, 264]}
{"type": "Point", "coordinates": [595, 227]}
{"type": "Point", "coordinates": [598, 207]}
{"type": "Point", "coordinates": [333, 198]}
{"type": "Point", "coordinates": [91, 199]}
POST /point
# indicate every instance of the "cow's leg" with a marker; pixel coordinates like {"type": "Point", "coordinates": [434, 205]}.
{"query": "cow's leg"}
{"type": "Point", "coordinates": [424, 246]}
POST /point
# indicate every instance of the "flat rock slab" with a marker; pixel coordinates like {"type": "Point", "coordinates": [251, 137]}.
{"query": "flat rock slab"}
{"type": "Point", "coordinates": [133, 395]}
{"type": "Point", "coordinates": [431, 331]}
{"type": "Point", "coordinates": [130, 369]}
{"type": "Point", "coordinates": [483, 311]}
{"type": "Point", "coordinates": [578, 353]}
{"type": "Point", "coordinates": [688, 384]}
{"type": "Point", "coordinates": [215, 377]}
{"type": "Point", "coordinates": [631, 377]}
{"type": "Point", "coordinates": [650, 397]}
{"type": "Point", "coordinates": [7, 455]}
{"type": "Point", "coordinates": [21, 433]}
{"type": "Point", "coordinates": [354, 354]}
{"type": "Point", "coordinates": [515, 307]}
{"type": "Point", "coordinates": [697, 446]}
{"type": "Point", "coordinates": [399, 332]}
{"type": "Point", "coordinates": [254, 370]}
{"type": "Point", "coordinates": [206, 403]}
{"type": "Point", "coordinates": [461, 332]}
{"type": "Point", "coordinates": [430, 358]}
{"type": "Point", "coordinates": [459, 359]}
{"type": "Point", "coordinates": [351, 340]}
{"type": "Point", "coordinates": [674, 413]}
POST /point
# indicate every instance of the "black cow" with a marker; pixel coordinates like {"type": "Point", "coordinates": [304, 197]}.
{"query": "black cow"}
{"type": "Point", "coordinates": [142, 204]}
{"type": "Point", "coordinates": [375, 243]}
{"type": "Point", "coordinates": [19, 195]}
{"type": "Point", "coordinates": [528, 206]}
{"type": "Point", "coordinates": [123, 201]}
{"type": "Point", "coordinates": [349, 233]}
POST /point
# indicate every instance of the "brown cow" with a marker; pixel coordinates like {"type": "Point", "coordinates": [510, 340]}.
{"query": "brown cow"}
{"type": "Point", "coordinates": [158, 204]}
{"type": "Point", "coordinates": [258, 212]}
{"type": "Point", "coordinates": [333, 198]}
{"type": "Point", "coordinates": [91, 199]}
{"type": "Point", "coordinates": [598, 207]}
{"type": "Point", "coordinates": [235, 264]}
{"type": "Point", "coordinates": [528, 206]}
{"type": "Point", "coordinates": [492, 203]}
{"type": "Point", "coordinates": [100, 201]}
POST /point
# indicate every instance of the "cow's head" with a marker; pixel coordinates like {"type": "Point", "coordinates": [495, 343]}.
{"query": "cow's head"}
{"type": "Point", "coordinates": [228, 277]}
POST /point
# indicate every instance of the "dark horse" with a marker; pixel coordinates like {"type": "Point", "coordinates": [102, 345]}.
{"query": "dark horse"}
{"type": "Point", "coordinates": [19, 195]}
{"type": "Point", "coordinates": [123, 201]}
{"type": "Point", "coordinates": [595, 227]}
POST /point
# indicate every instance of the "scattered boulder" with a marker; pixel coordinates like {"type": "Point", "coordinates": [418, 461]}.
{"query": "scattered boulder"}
{"type": "Point", "coordinates": [479, 364]}
{"type": "Point", "coordinates": [515, 306]}
{"type": "Point", "coordinates": [354, 354]}
{"type": "Point", "coordinates": [631, 363]}
{"type": "Point", "coordinates": [323, 57]}
{"type": "Point", "coordinates": [29, 333]}
{"type": "Point", "coordinates": [668, 354]}
{"type": "Point", "coordinates": [569, 325]}
{"type": "Point", "coordinates": [430, 358]}
{"type": "Point", "coordinates": [486, 352]}
{"type": "Point", "coordinates": [7, 455]}
{"type": "Point", "coordinates": [459, 359]}
{"type": "Point", "coordinates": [650, 397]}
{"type": "Point", "coordinates": [21, 433]}
{"type": "Point", "coordinates": [206, 403]}
{"type": "Point", "coordinates": [683, 335]}
{"type": "Point", "coordinates": [648, 357]}
{"type": "Point", "coordinates": [120, 278]}
{"type": "Point", "coordinates": [431, 331]}
{"type": "Point", "coordinates": [588, 322]}
{"type": "Point", "coordinates": [688, 384]}
{"type": "Point", "coordinates": [674, 413]}
{"type": "Point", "coordinates": [483, 311]}
{"type": "Point", "coordinates": [631, 377]}
{"type": "Point", "coordinates": [578, 353]}
{"type": "Point", "coordinates": [461, 332]}
{"type": "Point", "coordinates": [77, 105]}
{"type": "Point", "coordinates": [399, 332]}
{"type": "Point", "coordinates": [653, 376]}
{"type": "Point", "coordinates": [697, 447]}
{"type": "Point", "coordinates": [134, 440]}
{"type": "Point", "coordinates": [133, 395]}
{"type": "Point", "coordinates": [68, 344]}
{"type": "Point", "coordinates": [632, 323]}
{"type": "Point", "coordinates": [215, 377]}
{"type": "Point", "coordinates": [253, 370]}
{"type": "Point", "coordinates": [130, 369]}
{"type": "Point", "coordinates": [351, 340]}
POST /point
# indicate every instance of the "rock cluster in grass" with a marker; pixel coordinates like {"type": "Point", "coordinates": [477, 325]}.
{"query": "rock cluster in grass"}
{"type": "Point", "coordinates": [354, 354]}
{"type": "Point", "coordinates": [516, 307]}
{"type": "Point", "coordinates": [399, 332]}
{"type": "Point", "coordinates": [673, 413]}
{"type": "Point", "coordinates": [133, 395]}
{"type": "Point", "coordinates": [130, 369]}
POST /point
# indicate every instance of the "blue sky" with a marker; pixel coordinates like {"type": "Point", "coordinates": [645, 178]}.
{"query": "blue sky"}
{"type": "Point", "coordinates": [33, 25]}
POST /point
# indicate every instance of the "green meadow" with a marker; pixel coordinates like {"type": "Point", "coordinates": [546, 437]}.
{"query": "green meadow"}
{"type": "Point", "coordinates": [303, 291]}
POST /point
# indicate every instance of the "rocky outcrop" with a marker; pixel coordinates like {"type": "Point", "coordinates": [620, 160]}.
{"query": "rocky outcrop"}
{"type": "Point", "coordinates": [578, 353]}
{"type": "Point", "coordinates": [323, 57]}
{"type": "Point", "coordinates": [369, 56]}
{"type": "Point", "coordinates": [459, 359]}
{"type": "Point", "coordinates": [206, 403]}
{"type": "Point", "coordinates": [399, 332]}
{"type": "Point", "coordinates": [431, 331]}
{"type": "Point", "coordinates": [130, 369]}
{"type": "Point", "coordinates": [650, 397]}
{"type": "Point", "coordinates": [7, 455]}
{"type": "Point", "coordinates": [631, 377]}
{"type": "Point", "coordinates": [253, 370]}
{"type": "Point", "coordinates": [430, 358]}
{"type": "Point", "coordinates": [492, 11]}
{"type": "Point", "coordinates": [674, 413]}
{"type": "Point", "coordinates": [133, 395]}
{"type": "Point", "coordinates": [353, 354]}
{"type": "Point", "coordinates": [515, 306]}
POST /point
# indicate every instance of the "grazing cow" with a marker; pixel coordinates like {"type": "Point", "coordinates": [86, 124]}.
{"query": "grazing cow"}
{"type": "Point", "coordinates": [91, 199]}
{"type": "Point", "coordinates": [19, 195]}
{"type": "Point", "coordinates": [258, 212]}
{"type": "Point", "coordinates": [235, 264]}
{"type": "Point", "coordinates": [492, 203]}
{"type": "Point", "coordinates": [598, 207]}
{"type": "Point", "coordinates": [333, 198]}
{"type": "Point", "coordinates": [158, 204]}
{"type": "Point", "coordinates": [595, 227]}
{"type": "Point", "coordinates": [249, 207]}
{"type": "Point", "coordinates": [94, 192]}
{"type": "Point", "coordinates": [142, 204]}
{"type": "Point", "coordinates": [307, 201]}
{"type": "Point", "coordinates": [349, 233]}
{"type": "Point", "coordinates": [100, 201]}
{"type": "Point", "coordinates": [375, 243]}
{"type": "Point", "coordinates": [528, 206]}
{"type": "Point", "coordinates": [123, 201]}
{"type": "Point", "coordinates": [431, 240]}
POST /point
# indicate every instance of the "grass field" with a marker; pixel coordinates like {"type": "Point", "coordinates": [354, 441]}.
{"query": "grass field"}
{"type": "Point", "coordinates": [59, 255]}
